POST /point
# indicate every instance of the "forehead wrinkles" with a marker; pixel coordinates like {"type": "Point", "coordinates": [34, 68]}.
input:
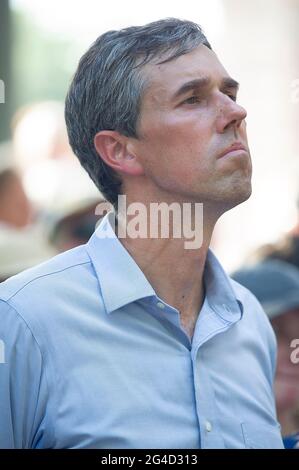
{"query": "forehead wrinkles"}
{"type": "Point", "coordinates": [161, 83]}
{"type": "Point", "coordinates": [162, 80]}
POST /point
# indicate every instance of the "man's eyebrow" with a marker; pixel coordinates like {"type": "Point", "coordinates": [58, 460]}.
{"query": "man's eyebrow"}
{"type": "Point", "coordinates": [192, 85]}
{"type": "Point", "coordinates": [229, 82]}
{"type": "Point", "coordinates": [204, 82]}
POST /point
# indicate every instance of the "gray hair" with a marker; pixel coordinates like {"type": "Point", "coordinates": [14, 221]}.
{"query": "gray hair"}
{"type": "Point", "coordinates": [106, 91]}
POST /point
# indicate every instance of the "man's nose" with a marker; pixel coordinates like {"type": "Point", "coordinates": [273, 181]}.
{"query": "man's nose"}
{"type": "Point", "coordinates": [230, 115]}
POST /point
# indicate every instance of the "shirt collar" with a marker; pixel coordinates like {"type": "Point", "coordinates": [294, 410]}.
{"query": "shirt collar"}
{"type": "Point", "coordinates": [219, 291]}
{"type": "Point", "coordinates": [122, 281]}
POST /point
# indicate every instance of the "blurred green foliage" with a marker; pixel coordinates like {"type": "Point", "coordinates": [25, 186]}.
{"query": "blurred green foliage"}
{"type": "Point", "coordinates": [5, 70]}
{"type": "Point", "coordinates": [40, 65]}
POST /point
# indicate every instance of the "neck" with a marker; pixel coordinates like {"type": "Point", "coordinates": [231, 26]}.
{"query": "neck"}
{"type": "Point", "coordinates": [175, 272]}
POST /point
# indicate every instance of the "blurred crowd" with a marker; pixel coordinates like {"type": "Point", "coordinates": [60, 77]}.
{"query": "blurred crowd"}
{"type": "Point", "coordinates": [272, 274]}
{"type": "Point", "coordinates": [47, 201]}
{"type": "Point", "coordinates": [48, 206]}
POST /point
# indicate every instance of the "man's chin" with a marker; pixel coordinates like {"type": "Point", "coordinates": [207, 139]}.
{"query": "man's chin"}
{"type": "Point", "coordinates": [246, 194]}
{"type": "Point", "coordinates": [236, 197]}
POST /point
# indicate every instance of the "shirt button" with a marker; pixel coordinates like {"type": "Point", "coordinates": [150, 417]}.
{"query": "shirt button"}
{"type": "Point", "coordinates": [160, 305]}
{"type": "Point", "coordinates": [208, 426]}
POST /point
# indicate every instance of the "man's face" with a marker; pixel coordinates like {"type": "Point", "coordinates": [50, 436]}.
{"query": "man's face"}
{"type": "Point", "coordinates": [188, 118]}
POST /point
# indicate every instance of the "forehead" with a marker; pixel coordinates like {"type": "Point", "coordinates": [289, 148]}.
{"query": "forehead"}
{"type": "Point", "coordinates": [163, 80]}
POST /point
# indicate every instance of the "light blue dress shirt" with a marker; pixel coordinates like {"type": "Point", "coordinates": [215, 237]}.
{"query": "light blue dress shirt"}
{"type": "Point", "coordinates": [91, 357]}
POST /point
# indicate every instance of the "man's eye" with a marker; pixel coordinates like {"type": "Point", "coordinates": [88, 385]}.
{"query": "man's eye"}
{"type": "Point", "coordinates": [232, 97]}
{"type": "Point", "coordinates": [192, 100]}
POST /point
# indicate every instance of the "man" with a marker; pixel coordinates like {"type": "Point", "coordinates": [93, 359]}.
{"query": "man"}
{"type": "Point", "coordinates": [139, 342]}
{"type": "Point", "coordinates": [276, 285]}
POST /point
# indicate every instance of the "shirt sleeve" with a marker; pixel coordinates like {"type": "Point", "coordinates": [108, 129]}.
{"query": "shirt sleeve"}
{"type": "Point", "coordinates": [23, 390]}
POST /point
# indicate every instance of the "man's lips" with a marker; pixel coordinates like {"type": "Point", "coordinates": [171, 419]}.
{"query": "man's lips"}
{"type": "Point", "coordinates": [234, 148]}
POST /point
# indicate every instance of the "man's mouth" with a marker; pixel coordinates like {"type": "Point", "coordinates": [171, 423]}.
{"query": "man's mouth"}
{"type": "Point", "coordinates": [234, 149]}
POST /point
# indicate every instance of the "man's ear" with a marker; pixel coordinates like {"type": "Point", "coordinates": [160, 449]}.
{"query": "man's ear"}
{"type": "Point", "coordinates": [115, 150]}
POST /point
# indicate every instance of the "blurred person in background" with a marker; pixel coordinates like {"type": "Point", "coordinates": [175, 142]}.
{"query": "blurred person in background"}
{"type": "Point", "coordinates": [15, 208]}
{"type": "Point", "coordinates": [23, 242]}
{"type": "Point", "coordinates": [61, 192]}
{"type": "Point", "coordinates": [52, 177]}
{"type": "Point", "coordinates": [275, 283]}
{"type": "Point", "coordinates": [74, 223]}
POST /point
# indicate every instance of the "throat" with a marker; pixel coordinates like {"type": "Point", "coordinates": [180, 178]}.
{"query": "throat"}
{"type": "Point", "coordinates": [188, 322]}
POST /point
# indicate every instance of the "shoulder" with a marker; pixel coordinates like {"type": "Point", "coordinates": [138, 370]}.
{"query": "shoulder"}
{"type": "Point", "coordinates": [36, 292]}
{"type": "Point", "coordinates": [42, 275]}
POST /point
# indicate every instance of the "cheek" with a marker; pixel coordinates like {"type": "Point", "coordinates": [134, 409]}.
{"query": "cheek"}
{"type": "Point", "coordinates": [177, 149]}
{"type": "Point", "coordinates": [179, 142]}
